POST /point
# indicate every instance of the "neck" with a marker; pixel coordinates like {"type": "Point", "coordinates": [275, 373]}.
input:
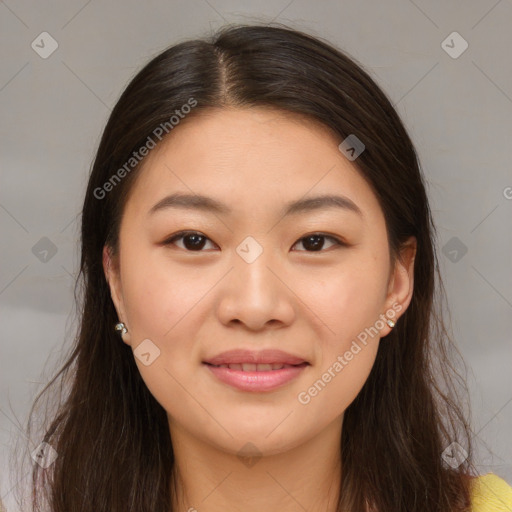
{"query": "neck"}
{"type": "Point", "coordinates": [210, 479]}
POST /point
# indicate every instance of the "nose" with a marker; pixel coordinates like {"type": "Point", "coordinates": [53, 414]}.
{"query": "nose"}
{"type": "Point", "coordinates": [256, 294]}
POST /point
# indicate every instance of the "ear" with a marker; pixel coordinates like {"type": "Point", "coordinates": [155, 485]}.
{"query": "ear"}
{"type": "Point", "coordinates": [401, 282]}
{"type": "Point", "coordinates": [112, 275]}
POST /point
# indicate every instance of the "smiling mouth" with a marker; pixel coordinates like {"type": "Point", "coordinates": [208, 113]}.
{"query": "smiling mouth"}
{"type": "Point", "coordinates": [256, 377]}
{"type": "Point", "coordinates": [252, 367]}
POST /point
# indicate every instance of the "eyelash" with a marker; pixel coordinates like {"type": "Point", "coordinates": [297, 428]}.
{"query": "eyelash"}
{"type": "Point", "coordinates": [182, 234]}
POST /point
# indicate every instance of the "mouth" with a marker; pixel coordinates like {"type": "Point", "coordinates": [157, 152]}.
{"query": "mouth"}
{"type": "Point", "coordinates": [256, 377]}
{"type": "Point", "coordinates": [256, 371]}
{"type": "Point", "coordinates": [251, 360]}
{"type": "Point", "coordinates": [252, 367]}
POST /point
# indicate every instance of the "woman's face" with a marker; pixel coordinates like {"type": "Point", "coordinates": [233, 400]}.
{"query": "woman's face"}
{"type": "Point", "coordinates": [254, 278]}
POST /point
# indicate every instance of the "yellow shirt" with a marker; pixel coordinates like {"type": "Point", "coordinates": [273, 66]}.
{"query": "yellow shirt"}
{"type": "Point", "coordinates": [490, 493]}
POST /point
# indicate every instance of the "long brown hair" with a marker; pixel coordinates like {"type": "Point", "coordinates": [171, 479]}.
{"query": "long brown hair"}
{"type": "Point", "coordinates": [111, 435]}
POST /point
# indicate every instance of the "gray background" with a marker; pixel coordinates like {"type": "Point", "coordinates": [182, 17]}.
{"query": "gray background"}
{"type": "Point", "coordinates": [457, 110]}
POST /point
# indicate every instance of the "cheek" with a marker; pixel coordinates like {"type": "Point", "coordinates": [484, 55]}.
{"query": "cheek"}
{"type": "Point", "coordinates": [158, 295]}
{"type": "Point", "coordinates": [164, 306]}
{"type": "Point", "coordinates": [349, 305]}
{"type": "Point", "coordinates": [339, 382]}
{"type": "Point", "coordinates": [349, 300]}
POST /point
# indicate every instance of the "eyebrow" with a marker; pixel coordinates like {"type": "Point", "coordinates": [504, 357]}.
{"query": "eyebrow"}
{"type": "Point", "coordinates": [209, 204]}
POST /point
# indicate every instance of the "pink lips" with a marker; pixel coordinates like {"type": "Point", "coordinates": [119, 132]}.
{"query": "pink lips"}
{"type": "Point", "coordinates": [286, 368]}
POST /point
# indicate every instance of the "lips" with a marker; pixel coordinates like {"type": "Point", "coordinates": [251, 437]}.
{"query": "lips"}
{"type": "Point", "coordinates": [252, 367]}
{"type": "Point", "coordinates": [247, 360]}
{"type": "Point", "coordinates": [256, 372]}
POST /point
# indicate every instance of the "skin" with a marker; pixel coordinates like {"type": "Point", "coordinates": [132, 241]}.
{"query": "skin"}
{"type": "Point", "coordinates": [193, 305]}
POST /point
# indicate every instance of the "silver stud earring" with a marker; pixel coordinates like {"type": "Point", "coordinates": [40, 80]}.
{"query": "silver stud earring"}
{"type": "Point", "coordinates": [121, 327]}
{"type": "Point", "coordinates": [390, 323]}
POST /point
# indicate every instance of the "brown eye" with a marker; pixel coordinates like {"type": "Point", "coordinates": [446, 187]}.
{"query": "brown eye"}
{"type": "Point", "coordinates": [315, 242]}
{"type": "Point", "coordinates": [192, 240]}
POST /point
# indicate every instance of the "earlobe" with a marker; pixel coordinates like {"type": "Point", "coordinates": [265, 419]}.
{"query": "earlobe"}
{"type": "Point", "coordinates": [111, 269]}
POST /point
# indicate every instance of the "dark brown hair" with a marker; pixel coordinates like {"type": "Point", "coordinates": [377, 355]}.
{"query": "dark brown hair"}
{"type": "Point", "coordinates": [111, 435]}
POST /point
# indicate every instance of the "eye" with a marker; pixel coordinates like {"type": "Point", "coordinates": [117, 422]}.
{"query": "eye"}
{"type": "Point", "coordinates": [315, 243]}
{"type": "Point", "coordinates": [193, 240]}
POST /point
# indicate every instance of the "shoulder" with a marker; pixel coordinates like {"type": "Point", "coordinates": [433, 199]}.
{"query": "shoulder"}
{"type": "Point", "coordinates": [490, 493]}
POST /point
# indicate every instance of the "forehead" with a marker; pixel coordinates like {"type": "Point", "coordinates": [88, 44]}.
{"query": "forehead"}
{"type": "Point", "coordinates": [250, 159]}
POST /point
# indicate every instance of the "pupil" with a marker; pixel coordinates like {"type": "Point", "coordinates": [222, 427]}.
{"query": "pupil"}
{"type": "Point", "coordinates": [314, 245]}
{"type": "Point", "coordinates": [196, 241]}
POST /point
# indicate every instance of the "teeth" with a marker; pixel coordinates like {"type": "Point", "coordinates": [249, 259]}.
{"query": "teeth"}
{"type": "Point", "coordinates": [251, 367]}
{"type": "Point", "coordinates": [263, 367]}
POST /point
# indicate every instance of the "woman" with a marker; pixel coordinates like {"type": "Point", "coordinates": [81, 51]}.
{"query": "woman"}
{"type": "Point", "coordinates": [259, 327]}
